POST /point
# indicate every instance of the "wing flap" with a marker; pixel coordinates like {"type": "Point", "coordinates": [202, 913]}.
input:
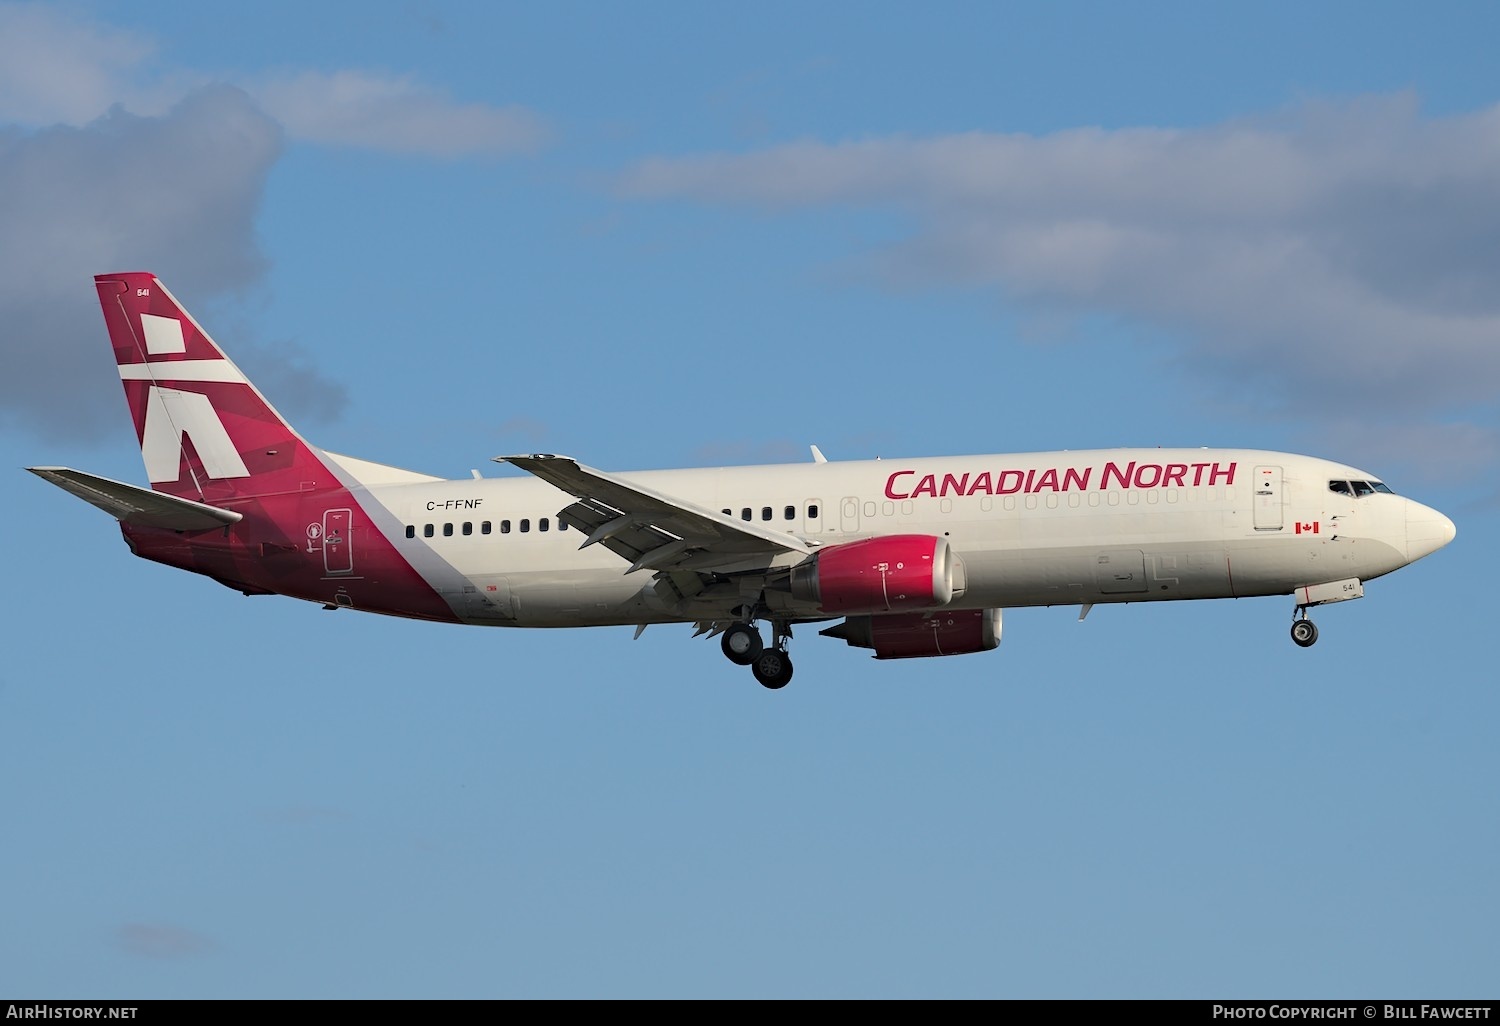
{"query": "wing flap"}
{"type": "Point", "coordinates": [653, 530]}
{"type": "Point", "coordinates": [138, 506]}
{"type": "Point", "coordinates": [615, 530]}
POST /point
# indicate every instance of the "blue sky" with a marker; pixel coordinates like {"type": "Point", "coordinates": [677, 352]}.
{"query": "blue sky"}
{"type": "Point", "coordinates": [667, 235]}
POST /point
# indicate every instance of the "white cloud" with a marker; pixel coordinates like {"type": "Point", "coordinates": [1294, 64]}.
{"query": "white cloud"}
{"type": "Point", "coordinates": [57, 69]}
{"type": "Point", "coordinates": [1334, 257]}
{"type": "Point", "coordinates": [401, 115]}
{"type": "Point", "coordinates": [60, 68]}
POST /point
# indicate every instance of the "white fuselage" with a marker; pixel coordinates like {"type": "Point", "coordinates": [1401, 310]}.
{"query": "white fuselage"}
{"type": "Point", "coordinates": [1072, 527]}
{"type": "Point", "coordinates": [918, 556]}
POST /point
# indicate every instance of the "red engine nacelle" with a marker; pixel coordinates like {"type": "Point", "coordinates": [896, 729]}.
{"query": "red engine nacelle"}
{"type": "Point", "coordinates": [915, 635]}
{"type": "Point", "coordinates": [878, 575]}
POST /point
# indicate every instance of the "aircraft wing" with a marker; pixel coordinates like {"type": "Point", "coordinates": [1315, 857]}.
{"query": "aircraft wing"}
{"type": "Point", "coordinates": [655, 531]}
{"type": "Point", "coordinates": [132, 505]}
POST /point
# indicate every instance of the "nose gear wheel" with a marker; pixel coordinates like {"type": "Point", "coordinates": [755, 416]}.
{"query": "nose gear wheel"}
{"type": "Point", "coordinates": [1304, 631]}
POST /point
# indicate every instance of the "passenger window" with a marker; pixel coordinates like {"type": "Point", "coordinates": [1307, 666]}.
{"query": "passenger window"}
{"type": "Point", "coordinates": [525, 526]}
{"type": "Point", "coordinates": [505, 527]}
{"type": "Point", "coordinates": [426, 530]}
{"type": "Point", "coordinates": [727, 513]}
{"type": "Point", "coordinates": [812, 511]}
{"type": "Point", "coordinates": [484, 528]}
{"type": "Point", "coordinates": [411, 530]}
{"type": "Point", "coordinates": [745, 513]}
{"type": "Point", "coordinates": [790, 513]}
{"type": "Point", "coordinates": [447, 530]}
{"type": "Point", "coordinates": [765, 512]}
{"type": "Point", "coordinates": [468, 528]}
{"type": "Point", "coordinates": [541, 525]}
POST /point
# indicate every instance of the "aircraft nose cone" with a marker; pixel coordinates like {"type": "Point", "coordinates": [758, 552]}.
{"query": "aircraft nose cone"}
{"type": "Point", "coordinates": [1427, 530]}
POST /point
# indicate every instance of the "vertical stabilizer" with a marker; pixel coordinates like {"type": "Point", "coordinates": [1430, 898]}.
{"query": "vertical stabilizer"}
{"type": "Point", "coordinates": [206, 432]}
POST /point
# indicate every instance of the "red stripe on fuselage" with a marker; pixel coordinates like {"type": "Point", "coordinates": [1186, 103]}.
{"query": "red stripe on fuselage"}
{"type": "Point", "coordinates": [281, 546]}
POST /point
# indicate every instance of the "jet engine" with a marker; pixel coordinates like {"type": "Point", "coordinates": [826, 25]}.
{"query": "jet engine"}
{"type": "Point", "coordinates": [918, 635]}
{"type": "Point", "coordinates": [880, 575]}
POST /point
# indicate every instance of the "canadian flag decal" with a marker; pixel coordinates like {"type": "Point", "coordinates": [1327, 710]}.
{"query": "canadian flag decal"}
{"type": "Point", "coordinates": [1311, 528]}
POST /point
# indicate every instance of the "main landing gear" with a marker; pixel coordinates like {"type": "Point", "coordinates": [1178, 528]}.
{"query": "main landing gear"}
{"type": "Point", "coordinates": [743, 646]}
{"type": "Point", "coordinates": [1304, 631]}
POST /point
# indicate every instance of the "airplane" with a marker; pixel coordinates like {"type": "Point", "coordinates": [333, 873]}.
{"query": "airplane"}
{"type": "Point", "coordinates": [913, 557]}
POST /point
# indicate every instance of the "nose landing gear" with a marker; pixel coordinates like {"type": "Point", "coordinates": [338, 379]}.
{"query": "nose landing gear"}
{"type": "Point", "coordinates": [1304, 631]}
{"type": "Point", "coordinates": [1309, 595]}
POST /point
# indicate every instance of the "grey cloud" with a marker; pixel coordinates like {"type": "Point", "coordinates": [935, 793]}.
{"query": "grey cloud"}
{"type": "Point", "coordinates": [1332, 254]}
{"type": "Point", "coordinates": [1429, 453]}
{"type": "Point", "coordinates": [302, 815]}
{"type": "Point", "coordinates": [161, 940]}
{"type": "Point", "coordinates": [176, 194]}
{"type": "Point", "coordinates": [741, 453]}
{"type": "Point", "coordinates": [528, 429]}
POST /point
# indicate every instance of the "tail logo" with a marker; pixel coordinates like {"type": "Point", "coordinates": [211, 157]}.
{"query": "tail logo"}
{"type": "Point", "coordinates": [173, 414]}
{"type": "Point", "coordinates": [163, 334]}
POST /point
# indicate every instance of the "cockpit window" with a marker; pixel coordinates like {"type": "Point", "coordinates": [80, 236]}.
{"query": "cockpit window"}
{"type": "Point", "coordinates": [1359, 489]}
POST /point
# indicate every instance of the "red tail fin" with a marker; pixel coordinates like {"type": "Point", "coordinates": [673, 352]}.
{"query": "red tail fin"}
{"type": "Point", "coordinates": [206, 433]}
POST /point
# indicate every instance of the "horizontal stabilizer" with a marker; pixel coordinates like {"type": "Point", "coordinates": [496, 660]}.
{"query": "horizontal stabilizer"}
{"type": "Point", "coordinates": [138, 506]}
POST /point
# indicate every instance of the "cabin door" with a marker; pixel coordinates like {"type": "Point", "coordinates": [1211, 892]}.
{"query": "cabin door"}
{"type": "Point", "coordinates": [1268, 498]}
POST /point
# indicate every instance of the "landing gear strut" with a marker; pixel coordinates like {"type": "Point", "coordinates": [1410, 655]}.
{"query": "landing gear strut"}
{"type": "Point", "coordinates": [1304, 631]}
{"type": "Point", "coordinates": [743, 646]}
